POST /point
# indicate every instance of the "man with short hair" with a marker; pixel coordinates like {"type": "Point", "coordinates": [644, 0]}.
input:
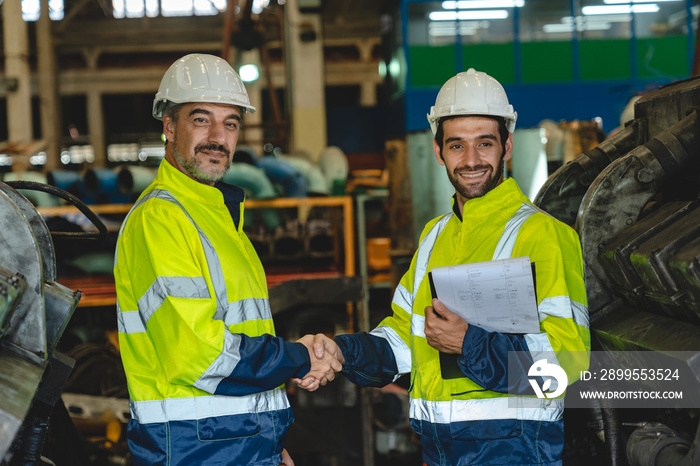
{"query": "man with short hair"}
{"type": "Point", "coordinates": [475, 418]}
{"type": "Point", "coordinates": [204, 368]}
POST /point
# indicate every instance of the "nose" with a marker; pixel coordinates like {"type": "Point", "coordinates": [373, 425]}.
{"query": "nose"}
{"type": "Point", "coordinates": [217, 133]}
{"type": "Point", "coordinates": [471, 156]}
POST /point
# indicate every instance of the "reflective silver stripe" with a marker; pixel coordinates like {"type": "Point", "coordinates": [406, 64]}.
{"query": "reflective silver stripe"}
{"type": "Point", "coordinates": [201, 407]}
{"type": "Point", "coordinates": [175, 287]}
{"type": "Point", "coordinates": [425, 248]}
{"type": "Point", "coordinates": [525, 408]}
{"type": "Point", "coordinates": [223, 365]}
{"type": "Point", "coordinates": [538, 343]}
{"type": "Point", "coordinates": [402, 353]}
{"type": "Point", "coordinates": [130, 322]}
{"type": "Point", "coordinates": [504, 248]}
{"type": "Point", "coordinates": [422, 257]}
{"type": "Point", "coordinates": [541, 348]}
{"type": "Point", "coordinates": [580, 314]}
{"type": "Point", "coordinates": [403, 299]}
{"type": "Point", "coordinates": [565, 308]}
{"type": "Point", "coordinates": [556, 306]}
{"type": "Point", "coordinates": [247, 309]}
{"type": "Point", "coordinates": [418, 325]}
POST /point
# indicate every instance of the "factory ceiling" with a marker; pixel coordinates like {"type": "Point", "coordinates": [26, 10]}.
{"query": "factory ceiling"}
{"type": "Point", "coordinates": [89, 35]}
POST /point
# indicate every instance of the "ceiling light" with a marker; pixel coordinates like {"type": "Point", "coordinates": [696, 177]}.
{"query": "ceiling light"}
{"type": "Point", "coordinates": [451, 32]}
{"type": "Point", "coordinates": [249, 73]}
{"type": "Point", "coordinates": [569, 27]}
{"type": "Point", "coordinates": [591, 19]}
{"type": "Point", "coordinates": [471, 4]}
{"type": "Point", "coordinates": [449, 28]}
{"type": "Point", "coordinates": [619, 9]}
{"type": "Point", "coordinates": [467, 15]}
{"type": "Point", "coordinates": [464, 24]}
{"type": "Point", "coordinates": [382, 69]}
{"type": "Point", "coordinates": [614, 2]}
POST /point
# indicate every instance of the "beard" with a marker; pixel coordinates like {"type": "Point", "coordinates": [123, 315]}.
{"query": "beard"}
{"type": "Point", "coordinates": [471, 191]}
{"type": "Point", "coordinates": [197, 168]}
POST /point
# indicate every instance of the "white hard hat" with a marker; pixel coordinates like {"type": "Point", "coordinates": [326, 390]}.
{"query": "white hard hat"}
{"type": "Point", "coordinates": [200, 78]}
{"type": "Point", "coordinates": [472, 93]}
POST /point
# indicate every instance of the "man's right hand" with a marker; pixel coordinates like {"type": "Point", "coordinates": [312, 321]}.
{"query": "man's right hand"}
{"type": "Point", "coordinates": [326, 359]}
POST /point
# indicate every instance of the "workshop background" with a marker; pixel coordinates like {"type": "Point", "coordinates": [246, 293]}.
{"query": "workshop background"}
{"type": "Point", "coordinates": [338, 167]}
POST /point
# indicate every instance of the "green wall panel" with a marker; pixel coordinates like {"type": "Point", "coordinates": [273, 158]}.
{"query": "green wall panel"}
{"type": "Point", "coordinates": [544, 62]}
{"type": "Point", "coordinates": [662, 56]}
{"type": "Point", "coordinates": [431, 66]}
{"type": "Point", "coordinates": [497, 60]}
{"type": "Point", "coordinates": [547, 62]}
{"type": "Point", "coordinates": [605, 59]}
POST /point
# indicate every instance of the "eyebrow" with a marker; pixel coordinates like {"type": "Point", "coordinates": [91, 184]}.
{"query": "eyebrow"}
{"type": "Point", "coordinates": [482, 136]}
{"type": "Point", "coordinates": [207, 112]}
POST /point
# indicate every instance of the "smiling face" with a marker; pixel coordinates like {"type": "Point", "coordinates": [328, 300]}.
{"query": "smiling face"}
{"type": "Point", "coordinates": [473, 155]}
{"type": "Point", "coordinates": [202, 139]}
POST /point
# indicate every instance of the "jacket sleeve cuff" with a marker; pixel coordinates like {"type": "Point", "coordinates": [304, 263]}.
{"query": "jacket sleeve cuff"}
{"type": "Point", "coordinates": [474, 339]}
{"type": "Point", "coordinates": [485, 360]}
{"type": "Point", "coordinates": [298, 352]}
{"type": "Point", "coordinates": [369, 360]}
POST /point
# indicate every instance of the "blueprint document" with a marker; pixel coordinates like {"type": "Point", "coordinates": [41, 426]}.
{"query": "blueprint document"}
{"type": "Point", "coordinates": [497, 295]}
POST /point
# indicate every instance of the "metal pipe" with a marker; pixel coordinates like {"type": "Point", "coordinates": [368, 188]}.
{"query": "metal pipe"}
{"type": "Point", "coordinates": [655, 444]}
{"type": "Point", "coordinates": [613, 438]}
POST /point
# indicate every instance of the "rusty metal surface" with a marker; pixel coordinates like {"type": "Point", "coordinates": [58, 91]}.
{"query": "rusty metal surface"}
{"type": "Point", "coordinates": [668, 105]}
{"type": "Point", "coordinates": [638, 218]}
{"type": "Point", "coordinates": [42, 236]}
{"type": "Point", "coordinates": [615, 257]}
{"type": "Point", "coordinates": [11, 289]}
{"type": "Point", "coordinates": [20, 253]}
{"type": "Point", "coordinates": [685, 267]}
{"type": "Point", "coordinates": [35, 312]}
{"type": "Point", "coordinates": [19, 380]}
{"type": "Point", "coordinates": [651, 261]}
{"type": "Point", "coordinates": [60, 303]}
{"type": "Point", "coordinates": [618, 196]}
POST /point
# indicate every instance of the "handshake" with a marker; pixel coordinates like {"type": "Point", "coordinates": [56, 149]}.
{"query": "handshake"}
{"type": "Point", "coordinates": [326, 359]}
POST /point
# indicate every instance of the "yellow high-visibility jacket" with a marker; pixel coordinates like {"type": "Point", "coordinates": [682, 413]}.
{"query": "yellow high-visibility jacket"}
{"type": "Point", "coordinates": [472, 420]}
{"type": "Point", "coordinates": [204, 368]}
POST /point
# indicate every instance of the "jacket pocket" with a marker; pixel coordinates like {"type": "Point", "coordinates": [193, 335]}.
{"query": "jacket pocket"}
{"type": "Point", "coordinates": [487, 429]}
{"type": "Point", "coordinates": [417, 426]}
{"type": "Point", "coordinates": [228, 427]}
{"type": "Point", "coordinates": [215, 423]}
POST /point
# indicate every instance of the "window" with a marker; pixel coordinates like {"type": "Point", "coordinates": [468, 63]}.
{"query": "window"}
{"type": "Point", "coordinates": [31, 10]}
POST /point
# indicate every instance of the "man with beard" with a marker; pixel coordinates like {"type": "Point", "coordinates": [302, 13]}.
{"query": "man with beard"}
{"type": "Point", "coordinates": [204, 368]}
{"type": "Point", "coordinates": [478, 417]}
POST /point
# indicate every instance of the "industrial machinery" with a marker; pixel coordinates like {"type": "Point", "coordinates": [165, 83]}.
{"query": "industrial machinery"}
{"type": "Point", "coordinates": [34, 312]}
{"type": "Point", "coordinates": [634, 200]}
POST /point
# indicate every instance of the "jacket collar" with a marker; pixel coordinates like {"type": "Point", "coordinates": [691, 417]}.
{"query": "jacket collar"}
{"type": "Point", "coordinates": [181, 185]}
{"type": "Point", "coordinates": [504, 194]}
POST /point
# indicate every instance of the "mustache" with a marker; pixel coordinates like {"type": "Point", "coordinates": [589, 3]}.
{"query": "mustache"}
{"type": "Point", "coordinates": [475, 168]}
{"type": "Point", "coordinates": [213, 147]}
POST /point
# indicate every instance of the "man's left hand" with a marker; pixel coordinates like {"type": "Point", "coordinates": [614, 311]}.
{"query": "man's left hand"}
{"type": "Point", "coordinates": [326, 359]}
{"type": "Point", "coordinates": [444, 329]}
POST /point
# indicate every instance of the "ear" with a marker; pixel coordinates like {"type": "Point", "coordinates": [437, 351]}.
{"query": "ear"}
{"type": "Point", "coordinates": [438, 153]}
{"type": "Point", "coordinates": [509, 148]}
{"type": "Point", "coordinates": [168, 128]}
